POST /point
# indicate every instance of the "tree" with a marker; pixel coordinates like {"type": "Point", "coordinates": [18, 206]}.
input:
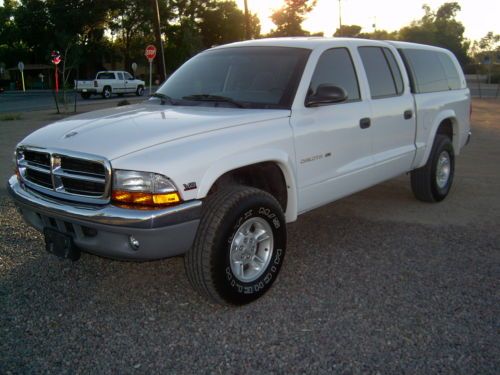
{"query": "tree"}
{"type": "Point", "coordinates": [351, 31]}
{"type": "Point", "coordinates": [439, 28]}
{"type": "Point", "coordinates": [222, 23]}
{"type": "Point", "coordinates": [289, 18]}
{"type": "Point", "coordinates": [380, 35]}
{"type": "Point", "coordinates": [131, 22]}
{"type": "Point", "coordinates": [11, 47]}
{"type": "Point", "coordinates": [490, 42]}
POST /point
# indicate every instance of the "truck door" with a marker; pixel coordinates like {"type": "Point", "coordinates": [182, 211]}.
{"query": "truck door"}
{"type": "Point", "coordinates": [392, 113]}
{"type": "Point", "coordinates": [120, 83]}
{"type": "Point", "coordinates": [332, 142]}
{"type": "Point", "coordinates": [130, 84]}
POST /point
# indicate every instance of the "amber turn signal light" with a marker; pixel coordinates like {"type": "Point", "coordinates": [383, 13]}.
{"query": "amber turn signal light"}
{"type": "Point", "coordinates": [145, 199]}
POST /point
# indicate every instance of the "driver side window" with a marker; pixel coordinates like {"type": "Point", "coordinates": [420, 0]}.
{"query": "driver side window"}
{"type": "Point", "coordinates": [335, 67]}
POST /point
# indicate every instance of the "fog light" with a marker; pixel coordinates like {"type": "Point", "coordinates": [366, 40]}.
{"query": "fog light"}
{"type": "Point", "coordinates": [134, 242]}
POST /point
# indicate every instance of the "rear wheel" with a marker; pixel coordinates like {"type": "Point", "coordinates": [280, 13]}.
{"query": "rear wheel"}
{"type": "Point", "coordinates": [239, 247]}
{"type": "Point", "coordinates": [432, 182]}
{"type": "Point", "coordinates": [106, 92]}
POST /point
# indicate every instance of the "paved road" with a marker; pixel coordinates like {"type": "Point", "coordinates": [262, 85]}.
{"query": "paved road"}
{"type": "Point", "coordinates": [17, 101]}
{"type": "Point", "coordinates": [376, 283]}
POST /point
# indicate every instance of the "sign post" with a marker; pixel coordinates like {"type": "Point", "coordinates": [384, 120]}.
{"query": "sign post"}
{"type": "Point", "coordinates": [56, 59]}
{"type": "Point", "coordinates": [20, 66]}
{"type": "Point", "coordinates": [150, 54]}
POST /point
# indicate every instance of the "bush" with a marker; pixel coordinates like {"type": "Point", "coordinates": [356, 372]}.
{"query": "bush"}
{"type": "Point", "coordinates": [122, 102]}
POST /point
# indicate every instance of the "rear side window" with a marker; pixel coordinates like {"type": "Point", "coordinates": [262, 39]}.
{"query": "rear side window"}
{"type": "Point", "coordinates": [428, 71]}
{"type": "Point", "coordinates": [384, 77]}
{"type": "Point", "coordinates": [450, 70]}
{"type": "Point", "coordinates": [106, 75]}
{"type": "Point", "coordinates": [335, 67]}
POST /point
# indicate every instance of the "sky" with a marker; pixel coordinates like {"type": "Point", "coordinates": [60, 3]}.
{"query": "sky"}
{"type": "Point", "coordinates": [478, 16]}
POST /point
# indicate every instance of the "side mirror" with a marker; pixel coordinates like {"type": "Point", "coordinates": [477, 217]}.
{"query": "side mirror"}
{"type": "Point", "coordinates": [326, 94]}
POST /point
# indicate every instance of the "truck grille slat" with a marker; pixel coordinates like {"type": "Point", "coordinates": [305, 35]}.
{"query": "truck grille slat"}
{"type": "Point", "coordinates": [64, 174]}
{"type": "Point", "coordinates": [39, 178]}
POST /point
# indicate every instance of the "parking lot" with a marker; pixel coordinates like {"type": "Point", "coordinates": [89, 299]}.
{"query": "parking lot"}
{"type": "Point", "coordinates": [374, 283]}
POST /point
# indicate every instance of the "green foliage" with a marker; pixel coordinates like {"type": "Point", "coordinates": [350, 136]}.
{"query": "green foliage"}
{"type": "Point", "coordinates": [94, 33]}
{"type": "Point", "coordinates": [440, 28]}
{"type": "Point", "coordinates": [289, 18]}
{"type": "Point", "coordinates": [222, 22]}
{"type": "Point", "coordinates": [380, 35]}
{"type": "Point", "coordinates": [351, 31]}
{"type": "Point", "coordinates": [10, 117]}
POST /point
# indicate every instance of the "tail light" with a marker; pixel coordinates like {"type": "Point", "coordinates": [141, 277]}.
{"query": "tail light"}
{"type": "Point", "coordinates": [95, 83]}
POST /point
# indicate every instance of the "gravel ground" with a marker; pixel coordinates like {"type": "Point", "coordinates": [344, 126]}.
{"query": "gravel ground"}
{"type": "Point", "coordinates": [371, 284]}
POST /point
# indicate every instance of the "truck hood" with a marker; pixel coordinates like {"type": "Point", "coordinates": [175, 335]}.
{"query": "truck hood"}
{"type": "Point", "coordinates": [115, 132]}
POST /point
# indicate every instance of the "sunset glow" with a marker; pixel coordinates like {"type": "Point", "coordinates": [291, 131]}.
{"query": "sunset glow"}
{"type": "Point", "coordinates": [478, 16]}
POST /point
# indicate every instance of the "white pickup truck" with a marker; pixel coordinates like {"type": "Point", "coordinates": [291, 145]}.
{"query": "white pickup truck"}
{"type": "Point", "coordinates": [110, 82]}
{"type": "Point", "coordinates": [239, 141]}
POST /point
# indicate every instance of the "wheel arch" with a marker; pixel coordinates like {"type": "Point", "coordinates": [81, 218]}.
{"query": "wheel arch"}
{"type": "Point", "coordinates": [446, 123]}
{"type": "Point", "coordinates": [272, 174]}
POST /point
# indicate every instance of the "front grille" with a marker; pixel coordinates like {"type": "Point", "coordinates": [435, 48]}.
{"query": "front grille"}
{"type": "Point", "coordinates": [82, 166]}
{"type": "Point", "coordinates": [40, 178]}
{"type": "Point", "coordinates": [85, 187]}
{"type": "Point", "coordinates": [65, 174]}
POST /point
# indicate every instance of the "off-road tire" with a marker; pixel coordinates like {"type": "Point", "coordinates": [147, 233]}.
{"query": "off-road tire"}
{"type": "Point", "coordinates": [208, 263]}
{"type": "Point", "coordinates": [424, 180]}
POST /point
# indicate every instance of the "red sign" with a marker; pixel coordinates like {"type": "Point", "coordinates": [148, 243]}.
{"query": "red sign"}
{"type": "Point", "coordinates": [150, 52]}
{"type": "Point", "coordinates": [55, 57]}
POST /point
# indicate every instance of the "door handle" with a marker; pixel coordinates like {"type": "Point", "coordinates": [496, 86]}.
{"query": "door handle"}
{"type": "Point", "coordinates": [408, 114]}
{"type": "Point", "coordinates": [364, 123]}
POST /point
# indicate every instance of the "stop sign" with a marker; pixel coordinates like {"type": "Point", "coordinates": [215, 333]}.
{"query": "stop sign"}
{"type": "Point", "coordinates": [150, 52]}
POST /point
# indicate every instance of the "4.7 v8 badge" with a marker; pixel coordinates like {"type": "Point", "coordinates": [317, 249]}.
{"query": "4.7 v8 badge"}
{"type": "Point", "coordinates": [190, 186]}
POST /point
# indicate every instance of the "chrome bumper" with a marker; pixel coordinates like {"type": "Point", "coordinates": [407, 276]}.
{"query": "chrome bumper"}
{"type": "Point", "coordinates": [161, 233]}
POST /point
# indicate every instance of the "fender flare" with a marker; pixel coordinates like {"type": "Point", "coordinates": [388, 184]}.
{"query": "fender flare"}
{"type": "Point", "coordinates": [279, 157]}
{"type": "Point", "coordinates": [444, 115]}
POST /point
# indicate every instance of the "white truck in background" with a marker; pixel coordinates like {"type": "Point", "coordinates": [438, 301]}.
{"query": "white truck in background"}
{"type": "Point", "coordinates": [238, 142]}
{"type": "Point", "coordinates": [107, 83]}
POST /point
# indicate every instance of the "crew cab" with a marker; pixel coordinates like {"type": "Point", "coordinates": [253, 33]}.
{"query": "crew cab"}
{"type": "Point", "coordinates": [238, 142]}
{"type": "Point", "coordinates": [107, 83]}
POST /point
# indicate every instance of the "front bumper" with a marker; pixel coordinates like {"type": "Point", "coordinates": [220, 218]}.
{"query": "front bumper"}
{"type": "Point", "coordinates": [106, 229]}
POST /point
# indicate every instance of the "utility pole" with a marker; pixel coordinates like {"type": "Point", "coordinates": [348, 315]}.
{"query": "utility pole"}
{"type": "Point", "coordinates": [340, 18]}
{"type": "Point", "coordinates": [247, 22]}
{"type": "Point", "coordinates": [162, 69]}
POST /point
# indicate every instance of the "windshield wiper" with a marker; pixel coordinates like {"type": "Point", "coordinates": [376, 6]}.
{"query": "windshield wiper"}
{"type": "Point", "coordinates": [213, 98]}
{"type": "Point", "coordinates": [164, 98]}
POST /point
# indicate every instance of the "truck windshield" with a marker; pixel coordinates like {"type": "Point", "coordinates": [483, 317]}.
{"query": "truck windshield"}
{"type": "Point", "coordinates": [246, 77]}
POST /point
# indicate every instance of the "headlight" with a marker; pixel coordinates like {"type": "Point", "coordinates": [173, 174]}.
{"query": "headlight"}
{"type": "Point", "coordinates": [143, 188]}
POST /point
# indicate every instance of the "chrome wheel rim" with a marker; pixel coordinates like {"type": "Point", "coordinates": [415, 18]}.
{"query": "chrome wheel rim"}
{"type": "Point", "coordinates": [443, 169]}
{"type": "Point", "coordinates": [251, 249]}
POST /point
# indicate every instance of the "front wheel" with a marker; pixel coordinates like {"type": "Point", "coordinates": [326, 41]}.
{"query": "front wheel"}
{"type": "Point", "coordinates": [139, 91]}
{"type": "Point", "coordinates": [432, 182]}
{"type": "Point", "coordinates": [239, 247]}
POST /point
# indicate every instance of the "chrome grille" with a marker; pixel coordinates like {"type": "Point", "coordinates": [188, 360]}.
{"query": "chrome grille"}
{"type": "Point", "coordinates": [65, 174]}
